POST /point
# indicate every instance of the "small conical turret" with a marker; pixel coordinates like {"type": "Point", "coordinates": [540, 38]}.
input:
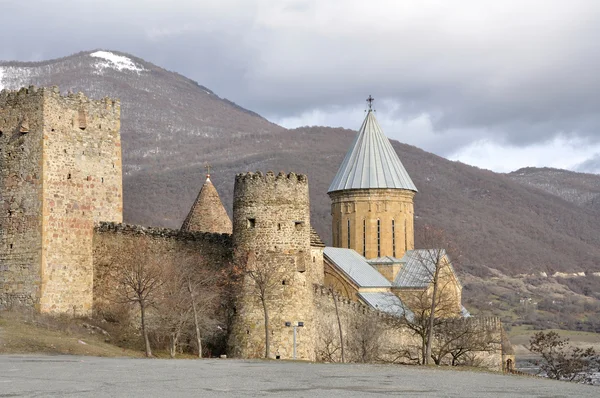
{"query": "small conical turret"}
{"type": "Point", "coordinates": [207, 213]}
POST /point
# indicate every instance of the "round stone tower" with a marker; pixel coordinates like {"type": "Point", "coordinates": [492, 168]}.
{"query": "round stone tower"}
{"type": "Point", "coordinates": [372, 197]}
{"type": "Point", "coordinates": [271, 238]}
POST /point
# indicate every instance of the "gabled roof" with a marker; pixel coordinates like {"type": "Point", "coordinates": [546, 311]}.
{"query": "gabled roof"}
{"type": "Point", "coordinates": [387, 302]}
{"type": "Point", "coordinates": [418, 268]}
{"type": "Point", "coordinates": [355, 267]}
{"type": "Point", "coordinates": [371, 162]}
{"type": "Point", "coordinates": [207, 213]}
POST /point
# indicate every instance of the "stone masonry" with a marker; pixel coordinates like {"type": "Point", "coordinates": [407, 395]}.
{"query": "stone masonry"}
{"type": "Point", "coordinates": [61, 172]}
{"type": "Point", "coordinates": [271, 231]}
{"type": "Point", "coordinates": [373, 222]}
{"type": "Point", "coordinates": [61, 232]}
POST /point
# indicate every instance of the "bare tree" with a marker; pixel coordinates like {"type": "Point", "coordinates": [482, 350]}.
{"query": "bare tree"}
{"type": "Point", "coordinates": [365, 339]}
{"type": "Point", "coordinates": [174, 309]}
{"type": "Point", "coordinates": [140, 276]}
{"type": "Point", "coordinates": [459, 337]}
{"type": "Point", "coordinates": [264, 275]}
{"type": "Point", "coordinates": [329, 340]}
{"type": "Point", "coordinates": [419, 321]}
{"type": "Point", "coordinates": [201, 283]}
{"type": "Point", "coordinates": [435, 267]}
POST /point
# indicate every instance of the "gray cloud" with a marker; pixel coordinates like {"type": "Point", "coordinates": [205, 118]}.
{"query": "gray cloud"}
{"type": "Point", "coordinates": [447, 75]}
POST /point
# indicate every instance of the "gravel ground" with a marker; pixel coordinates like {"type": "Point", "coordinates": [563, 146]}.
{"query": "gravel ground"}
{"type": "Point", "coordinates": [57, 376]}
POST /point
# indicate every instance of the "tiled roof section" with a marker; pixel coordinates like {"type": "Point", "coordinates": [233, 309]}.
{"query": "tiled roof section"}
{"type": "Point", "coordinates": [207, 213]}
{"type": "Point", "coordinates": [355, 267]}
{"type": "Point", "coordinates": [387, 302]}
{"type": "Point", "coordinates": [315, 239]}
{"type": "Point", "coordinates": [371, 162]}
{"type": "Point", "coordinates": [418, 268]}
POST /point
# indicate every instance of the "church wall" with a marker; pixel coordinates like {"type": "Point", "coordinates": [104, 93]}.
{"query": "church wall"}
{"type": "Point", "coordinates": [362, 208]}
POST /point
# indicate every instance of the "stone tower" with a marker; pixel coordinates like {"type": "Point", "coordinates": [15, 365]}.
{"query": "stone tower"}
{"type": "Point", "coordinates": [207, 213]}
{"type": "Point", "coordinates": [60, 172]}
{"type": "Point", "coordinates": [372, 197]}
{"type": "Point", "coordinates": [272, 235]}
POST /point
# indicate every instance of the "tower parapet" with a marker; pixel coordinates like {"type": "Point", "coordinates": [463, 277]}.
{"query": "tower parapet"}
{"type": "Point", "coordinates": [271, 235]}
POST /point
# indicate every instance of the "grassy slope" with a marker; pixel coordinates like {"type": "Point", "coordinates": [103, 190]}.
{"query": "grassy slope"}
{"type": "Point", "coordinates": [28, 333]}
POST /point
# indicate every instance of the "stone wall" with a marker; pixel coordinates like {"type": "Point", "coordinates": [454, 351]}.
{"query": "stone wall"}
{"type": "Point", "coordinates": [271, 239]}
{"type": "Point", "coordinates": [61, 171]}
{"type": "Point", "coordinates": [82, 185]}
{"type": "Point", "coordinates": [355, 216]}
{"type": "Point", "coordinates": [368, 335]}
{"type": "Point", "coordinates": [110, 240]}
{"type": "Point", "coordinates": [374, 336]}
{"type": "Point", "coordinates": [21, 135]}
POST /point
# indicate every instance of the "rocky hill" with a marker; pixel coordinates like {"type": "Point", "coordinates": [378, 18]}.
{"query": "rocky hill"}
{"type": "Point", "coordinates": [526, 222]}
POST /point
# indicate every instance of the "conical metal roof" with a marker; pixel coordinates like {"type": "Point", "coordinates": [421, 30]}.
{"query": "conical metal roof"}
{"type": "Point", "coordinates": [371, 162]}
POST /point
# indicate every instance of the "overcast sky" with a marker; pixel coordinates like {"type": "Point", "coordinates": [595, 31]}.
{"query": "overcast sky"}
{"type": "Point", "coordinates": [497, 84]}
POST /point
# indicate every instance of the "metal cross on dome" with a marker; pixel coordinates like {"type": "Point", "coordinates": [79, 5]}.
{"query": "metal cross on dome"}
{"type": "Point", "coordinates": [207, 167]}
{"type": "Point", "coordinates": [370, 101]}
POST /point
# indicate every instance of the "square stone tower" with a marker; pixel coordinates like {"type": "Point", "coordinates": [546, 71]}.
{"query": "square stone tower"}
{"type": "Point", "coordinates": [60, 172]}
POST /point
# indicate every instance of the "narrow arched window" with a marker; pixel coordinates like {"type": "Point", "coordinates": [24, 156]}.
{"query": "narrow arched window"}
{"type": "Point", "coordinates": [393, 238]}
{"type": "Point", "coordinates": [348, 234]}
{"type": "Point", "coordinates": [378, 238]}
{"type": "Point", "coordinates": [364, 238]}
{"type": "Point", "coordinates": [405, 238]}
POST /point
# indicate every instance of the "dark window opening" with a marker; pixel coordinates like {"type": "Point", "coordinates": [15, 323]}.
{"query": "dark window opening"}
{"type": "Point", "coordinates": [364, 238]}
{"type": "Point", "coordinates": [11, 245]}
{"type": "Point", "coordinates": [251, 223]}
{"type": "Point", "coordinates": [279, 226]}
{"type": "Point", "coordinates": [393, 238]}
{"type": "Point", "coordinates": [283, 282]}
{"type": "Point", "coordinates": [102, 179]}
{"type": "Point", "coordinates": [348, 234]}
{"type": "Point", "coordinates": [298, 225]}
{"type": "Point", "coordinates": [69, 176]}
{"type": "Point", "coordinates": [405, 238]}
{"type": "Point", "coordinates": [378, 238]}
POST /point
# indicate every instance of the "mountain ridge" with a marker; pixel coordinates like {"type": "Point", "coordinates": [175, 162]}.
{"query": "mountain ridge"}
{"type": "Point", "coordinates": [172, 126]}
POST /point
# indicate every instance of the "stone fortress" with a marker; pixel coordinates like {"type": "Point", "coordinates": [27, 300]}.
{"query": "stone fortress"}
{"type": "Point", "coordinates": [61, 225]}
